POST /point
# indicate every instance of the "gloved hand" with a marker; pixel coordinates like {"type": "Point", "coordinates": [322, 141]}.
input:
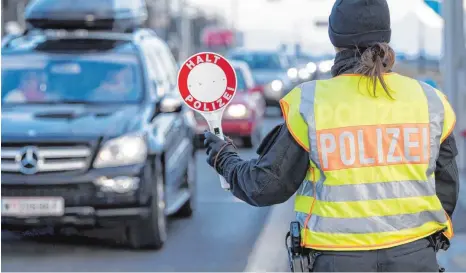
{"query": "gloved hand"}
{"type": "Point", "coordinates": [216, 149]}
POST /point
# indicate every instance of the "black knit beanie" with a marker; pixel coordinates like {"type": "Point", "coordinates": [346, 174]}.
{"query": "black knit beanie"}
{"type": "Point", "coordinates": [359, 23]}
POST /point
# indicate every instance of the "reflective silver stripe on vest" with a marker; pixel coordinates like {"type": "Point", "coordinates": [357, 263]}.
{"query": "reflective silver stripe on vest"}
{"type": "Point", "coordinates": [371, 224]}
{"type": "Point", "coordinates": [308, 92]}
{"type": "Point", "coordinates": [375, 191]}
{"type": "Point", "coordinates": [436, 118]}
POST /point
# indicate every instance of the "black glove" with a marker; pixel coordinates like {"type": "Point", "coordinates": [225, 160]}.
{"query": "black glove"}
{"type": "Point", "coordinates": [217, 149]}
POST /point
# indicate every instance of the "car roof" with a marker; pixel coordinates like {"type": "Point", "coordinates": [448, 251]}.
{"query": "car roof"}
{"type": "Point", "coordinates": [67, 42]}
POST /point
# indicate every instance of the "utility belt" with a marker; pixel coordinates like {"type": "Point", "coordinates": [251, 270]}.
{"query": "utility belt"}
{"type": "Point", "coordinates": [302, 259]}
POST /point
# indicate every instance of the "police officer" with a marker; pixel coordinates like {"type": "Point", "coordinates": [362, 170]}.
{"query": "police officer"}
{"type": "Point", "coordinates": [369, 153]}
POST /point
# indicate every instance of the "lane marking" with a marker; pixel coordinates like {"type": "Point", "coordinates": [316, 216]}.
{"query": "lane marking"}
{"type": "Point", "coordinates": [269, 252]}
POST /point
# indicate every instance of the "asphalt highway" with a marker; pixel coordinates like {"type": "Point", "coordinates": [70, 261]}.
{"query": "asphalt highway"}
{"type": "Point", "coordinates": [224, 234]}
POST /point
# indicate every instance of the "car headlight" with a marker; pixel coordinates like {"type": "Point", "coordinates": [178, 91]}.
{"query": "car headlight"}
{"type": "Point", "coordinates": [122, 151]}
{"type": "Point", "coordinates": [292, 73]}
{"type": "Point", "coordinates": [119, 184]}
{"type": "Point", "coordinates": [276, 85]}
{"type": "Point", "coordinates": [311, 67]}
{"type": "Point", "coordinates": [304, 74]}
{"type": "Point", "coordinates": [325, 66]}
{"type": "Point", "coordinates": [237, 111]}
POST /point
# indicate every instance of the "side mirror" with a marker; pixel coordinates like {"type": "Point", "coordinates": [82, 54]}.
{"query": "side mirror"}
{"type": "Point", "coordinates": [170, 104]}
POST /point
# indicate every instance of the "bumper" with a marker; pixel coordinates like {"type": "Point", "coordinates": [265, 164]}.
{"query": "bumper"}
{"type": "Point", "coordinates": [85, 203]}
{"type": "Point", "coordinates": [83, 217]}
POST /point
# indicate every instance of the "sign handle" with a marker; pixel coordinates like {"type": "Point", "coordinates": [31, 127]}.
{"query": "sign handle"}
{"type": "Point", "coordinates": [215, 126]}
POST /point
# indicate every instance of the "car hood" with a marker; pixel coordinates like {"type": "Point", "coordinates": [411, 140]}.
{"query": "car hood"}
{"type": "Point", "coordinates": [68, 120]}
{"type": "Point", "coordinates": [266, 76]}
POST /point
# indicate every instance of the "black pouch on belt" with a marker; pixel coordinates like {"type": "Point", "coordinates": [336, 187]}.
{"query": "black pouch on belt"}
{"type": "Point", "coordinates": [439, 242]}
{"type": "Point", "coordinates": [301, 259]}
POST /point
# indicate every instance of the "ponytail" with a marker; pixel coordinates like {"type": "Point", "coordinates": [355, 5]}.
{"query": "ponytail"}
{"type": "Point", "coordinates": [375, 61]}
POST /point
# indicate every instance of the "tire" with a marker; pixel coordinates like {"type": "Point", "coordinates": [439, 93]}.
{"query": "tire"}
{"type": "Point", "coordinates": [151, 232]}
{"type": "Point", "coordinates": [190, 182]}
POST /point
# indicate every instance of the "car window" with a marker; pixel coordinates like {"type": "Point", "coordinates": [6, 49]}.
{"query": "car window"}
{"type": "Point", "coordinates": [53, 5]}
{"type": "Point", "coordinates": [90, 78]}
{"type": "Point", "coordinates": [169, 63]}
{"type": "Point", "coordinates": [101, 6]}
{"type": "Point", "coordinates": [261, 60]}
{"type": "Point", "coordinates": [160, 75]}
{"type": "Point", "coordinates": [151, 70]}
{"type": "Point", "coordinates": [240, 80]}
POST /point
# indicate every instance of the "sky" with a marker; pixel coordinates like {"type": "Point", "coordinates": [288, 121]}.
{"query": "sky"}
{"type": "Point", "coordinates": [266, 24]}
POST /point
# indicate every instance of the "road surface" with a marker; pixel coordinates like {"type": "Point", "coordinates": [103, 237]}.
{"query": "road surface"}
{"type": "Point", "coordinates": [223, 235]}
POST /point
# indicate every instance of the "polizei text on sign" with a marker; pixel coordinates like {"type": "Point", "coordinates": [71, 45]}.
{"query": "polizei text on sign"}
{"type": "Point", "coordinates": [211, 106]}
{"type": "Point", "coordinates": [207, 82]}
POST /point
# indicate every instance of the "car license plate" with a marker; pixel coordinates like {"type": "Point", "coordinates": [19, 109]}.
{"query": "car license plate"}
{"type": "Point", "coordinates": [31, 206]}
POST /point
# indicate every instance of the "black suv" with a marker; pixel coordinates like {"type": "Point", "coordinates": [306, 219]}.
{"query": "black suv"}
{"type": "Point", "coordinates": [94, 133]}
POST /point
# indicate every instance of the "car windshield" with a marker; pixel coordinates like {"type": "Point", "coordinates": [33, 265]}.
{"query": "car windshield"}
{"type": "Point", "coordinates": [266, 61]}
{"type": "Point", "coordinates": [241, 82]}
{"type": "Point", "coordinates": [90, 78]}
{"type": "Point", "coordinates": [52, 5]}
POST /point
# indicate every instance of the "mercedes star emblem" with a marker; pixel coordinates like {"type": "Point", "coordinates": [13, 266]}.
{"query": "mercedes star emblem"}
{"type": "Point", "coordinates": [28, 160]}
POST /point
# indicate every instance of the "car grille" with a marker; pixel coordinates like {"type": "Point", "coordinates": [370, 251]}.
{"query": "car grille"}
{"type": "Point", "coordinates": [73, 194]}
{"type": "Point", "coordinates": [31, 159]}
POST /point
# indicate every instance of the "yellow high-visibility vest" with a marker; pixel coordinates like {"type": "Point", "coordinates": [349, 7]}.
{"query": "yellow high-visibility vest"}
{"type": "Point", "coordinates": [371, 184]}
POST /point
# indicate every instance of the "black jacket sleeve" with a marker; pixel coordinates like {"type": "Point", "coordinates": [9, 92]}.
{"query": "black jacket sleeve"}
{"type": "Point", "coordinates": [272, 178]}
{"type": "Point", "coordinates": [446, 175]}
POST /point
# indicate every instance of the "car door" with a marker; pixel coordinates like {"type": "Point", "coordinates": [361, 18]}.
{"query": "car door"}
{"type": "Point", "coordinates": [176, 157]}
{"type": "Point", "coordinates": [165, 126]}
{"type": "Point", "coordinates": [182, 140]}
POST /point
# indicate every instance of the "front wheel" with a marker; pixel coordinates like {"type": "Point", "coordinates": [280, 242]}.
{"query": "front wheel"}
{"type": "Point", "coordinates": [151, 232]}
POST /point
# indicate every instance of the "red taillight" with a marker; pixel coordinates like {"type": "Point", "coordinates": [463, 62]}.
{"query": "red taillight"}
{"type": "Point", "coordinates": [464, 133]}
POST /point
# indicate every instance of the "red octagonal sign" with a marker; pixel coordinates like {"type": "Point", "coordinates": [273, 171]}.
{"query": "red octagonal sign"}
{"type": "Point", "coordinates": [207, 82]}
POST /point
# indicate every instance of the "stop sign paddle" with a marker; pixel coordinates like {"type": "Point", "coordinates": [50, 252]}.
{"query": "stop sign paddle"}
{"type": "Point", "coordinates": [207, 84]}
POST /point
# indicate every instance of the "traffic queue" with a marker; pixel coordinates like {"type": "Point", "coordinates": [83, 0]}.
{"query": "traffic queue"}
{"type": "Point", "coordinates": [94, 132]}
